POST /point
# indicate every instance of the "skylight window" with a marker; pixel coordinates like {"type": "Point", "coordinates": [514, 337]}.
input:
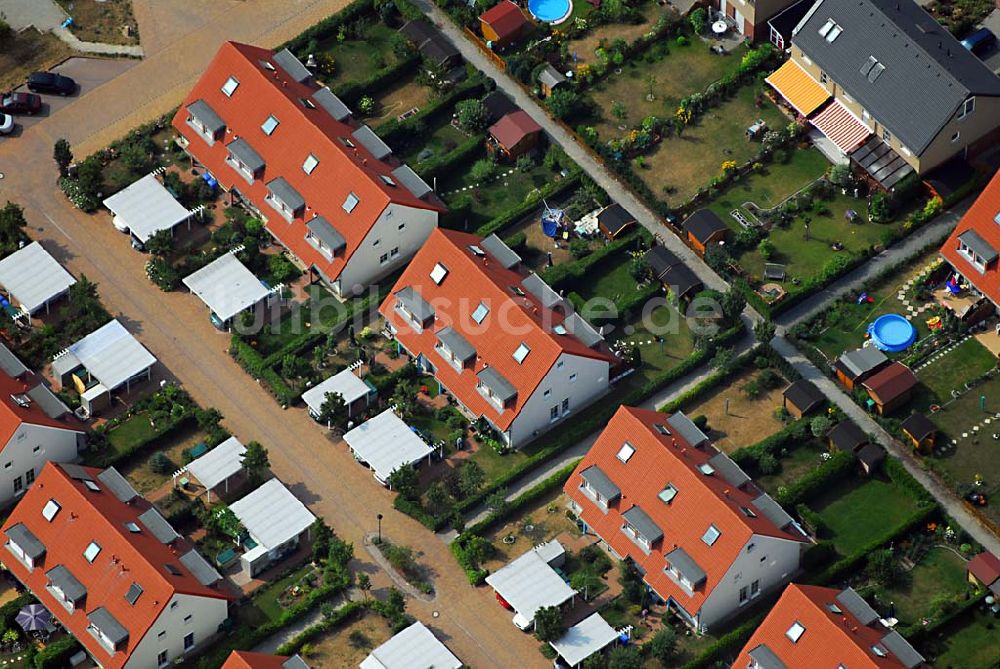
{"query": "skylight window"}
{"type": "Point", "coordinates": [834, 608]}
{"type": "Point", "coordinates": [230, 86]}
{"type": "Point", "coordinates": [711, 535]}
{"type": "Point", "coordinates": [386, 180]}
{"type": "Point", "coordinates": [171, 569]}
{"type": "Point", "coordinates": [834, 33]}
{"type": "Point", "coordinates": [877, 69]}
{"type": "Point", "coordinates": [266, 64]}
{"type": "Point", "coordinates": [439, 273]}
{"type": "Point", "coordinates": [92, 551]}
{"type": "Point", "coordinates": [830, 30]}
{"type": "Point", "coordinates": [133, 528]}
{"type": "Point", "coordinates": [667, 494]}
{"type": "Point", "coordinates": [307, 103]}
{"type": "Point", "coordinates": [996, 219]}
{"type": "Point", "coordinates": [748, 512]}
{"type": "Point", "coordinates": [520, 293]}
{"type": "Point", "coordinates": [661, 428]}
{"type": "Point", "coordinates": [477, 251]}
{"type": "Point", "coordinates": [479, 315]}
{"type": "Point", "coordinates": [626, 452]}
{"type": "Point", "coordinates": [825, 28]}
{"type": "Point", "coordinates": [706, 469]}
{"type": "Point", "coordinates": [50, 510]}
{"type": "Point", "coordinates": [559, 330]}
{"type": "Point", "coordinates": [310, 164]}
{"type": "Point", "coordinates": [521, 353]}
{"type": "Point", "coordinates": [91, 485]}
{"type": "Point", "coordinates": [134, 591]}
{"type": "Point", "coordinates": [795, 632]}
{"type": "Point", "coordinates": [350, 202]}
{"type": "Point", "coordinates": [880, 650]}
{"type": "Point", "coordinates": [269, 125]}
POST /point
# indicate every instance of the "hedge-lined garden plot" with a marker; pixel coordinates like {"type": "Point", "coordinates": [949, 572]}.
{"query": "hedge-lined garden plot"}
{"type": "Point", "coordinates": [360, 50]}
{"type": "Point", "coordinates": [744, 411]}
{"type": "Point", "coordinates": [937, 576]}
{"type": "Point", "coordinates": [967, 643]}
{"type": "Point", "coordinates": [854, 513]}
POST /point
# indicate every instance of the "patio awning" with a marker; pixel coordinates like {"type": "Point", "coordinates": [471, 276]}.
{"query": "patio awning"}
{"type": "Point", "coordinates": [841, 127]}
{"type": "Point", "coordinates": [881, 162]}
{"type": "Point", "coordinates": [798, 88]}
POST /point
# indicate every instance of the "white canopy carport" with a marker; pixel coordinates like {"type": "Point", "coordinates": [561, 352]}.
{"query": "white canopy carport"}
{"type": "Point", "coordinates": [345, 383]}
{"type": "Point", "coordinates": [416, 646]}
{"type": "Point", "coordinates": [273, 515]}
{"type": "Point", "coordinates": [218, 465]}
{"type": "Point", "coordinates": [146, 207]}
{"type": "Point", "coordinates": [529, 583]}
{"type": "Point", "coordinates": [34, 278]}
{"type": "Point", "coordinates": [226, 286]}
{"type": "Point", "coordinates": [591, 635]}
{"type": "Point", "coordinates": [110, 354]}
{"type": "Point", "coordinates": [386, 443]}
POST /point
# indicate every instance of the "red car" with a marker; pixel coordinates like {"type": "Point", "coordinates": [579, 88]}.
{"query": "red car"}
{"type": "Point", "coordinates": [20, 103]}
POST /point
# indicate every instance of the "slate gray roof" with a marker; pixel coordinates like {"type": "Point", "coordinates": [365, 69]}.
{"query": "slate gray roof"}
{"type": "Point", "coordinates": [615, 217]}
{"type": "Point", "coordinates": [766, 659]}
{"type": "Point", "coordinates": [368, 139]}
{"type": "Point", "coordinates": [61, 577]}
{"type": "Point", "coordinates": [495, 381]}
{"type": "Point", "coordinates": [871, 454]}
{"type": "Point", "coordinates": [919, 426]}
{"type": "Point", "coordinates": [772, 511]}
{"type": "Point", "coordinates": [499, 250]}
{"type": "Point", "coordinates": [245, 154]}
{"type": "Point", "coordinates": [10, 363]}
{"type": "Point", "coordinates": [415, 304]}
{"type": "Point", "coordinates": [48, 401]}
{"type": "Point", "coordinates": [284, 192]}
{"type": "Point", "coordinates": [550, 76]}
{"type": "Point", "coordinates": [660, 259]}
{"type": "Point", "coordinates": [324, 231]}
{"type": "Point", "coordinates": [686, 565]}
{"type": "Point", "coordinates": [535, 285]}
{"type": "Point", "coordinates": [728, 470]}
{"type": "Point", "coordinates": [108, 625]}
{"type": "Point", "coordinates": [847, 436]}
{"type": "Point", "coordinates": [453, 340]}
{"type": "Point", "coordinates": [27, 541]}
{"type": "Point", "coordinates": [917, 54]}
{"type": "Point", "coordinates": [804, 395]}
{"type": "Point", "coordinates": [200, 568]}
{"type": "Point", "coordinates": [411, 181]}
{"type": "Point", "coordinates": [858, 607]}
{"type": "Point", "coordinates": [862, 361]}
{"type": "Point", "coordinates": [902, 649]}
{"type": "Point", "coordinates": [686, 429]}
{"type": "Point", "coordinates": [295, 662]}
{"type": "Point", "coordinates": [292, 65]}
{"type": "Point", "coordinates": [330, 103]}
{"type": "Point", "coordinates": [641, 521]}
{"type": "Point", "coordinates": [979, 246]}
{"type": "Point", "coordinates": [158, 526]}
{"type": "Point", "coordinates": [600, 482]}
{"type": "Point", "coordinates": [704, 223]}
{"type": "Point", "coordinates": [206, 116]}
{"type": "Point", "coordinates": [577, 326]}
{"type": "Point", "coordinates": [118, 485]}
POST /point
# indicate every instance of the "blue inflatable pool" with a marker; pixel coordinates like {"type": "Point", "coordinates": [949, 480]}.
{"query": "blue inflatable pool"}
{"type": "Point", "coordinates": [892, 332]}
{"type": "Point", "coordinates": [550, 11]}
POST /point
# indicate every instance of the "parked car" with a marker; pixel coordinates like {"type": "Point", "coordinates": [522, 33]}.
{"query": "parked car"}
{"type": "Point", "coordinates": [6, 124]}
{"type": "Point", "coordinates": [20, 103]}
{"type": "Point", "coordinates": [50, 82]}
{"type": "Point", "coordinates": [980, 42]}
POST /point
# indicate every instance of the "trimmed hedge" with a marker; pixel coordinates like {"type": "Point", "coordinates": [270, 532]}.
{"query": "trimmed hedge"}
{"type": "Point", "coordinates": [352, 91]}
{"type": "Point", "coordinates": [543, 487]}
{"type": "Point", "coordinates": [837, 467]}
{"type": "Point", "coordinates": [728, 644]}
{"type": "Point", "coordinates": [329, 26]}
{"type": "Point", "coordinates": [519, 211]}
{"type": "Point", "coordinates": [446, 163]}
{"type": "Point", "coordinates": [771, 445]}
{"type": "Point", "coordinates": [897, 473]}
{"type": "Point", "coordinates": [338, 618]}
{"type": "Point", "coordinates": [560, 276]}
{"type": "Point", "coordinates": [56, 654]}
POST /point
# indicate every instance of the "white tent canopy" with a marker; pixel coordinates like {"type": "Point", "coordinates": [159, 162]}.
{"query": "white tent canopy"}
{"type": "Point", "coordinates": [34, 278]}
{"type": "Point", "coordinates": [386, 443]}
{"type": "Point", "coordinates": [345, 383]}
{"type": "Point", "coordinates": [529, 583]}
{"type": "Point", "coordinates": [110, 354]}
{"type": "Point", "coordinates": [273, 515]}
{"type": "Point", "coordinates": [591, 635]}
{"type": "Point", "coordinates": [416, 646]}
{"type": "Point", "coordinates": [226, 286]}
{"type": "Point", "coordinates": [219, 464]}
{"type": "Point", "coordinates": [146, 207]}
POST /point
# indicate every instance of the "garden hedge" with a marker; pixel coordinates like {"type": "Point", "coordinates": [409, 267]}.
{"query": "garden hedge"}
{"type": "Point", "coordinates": [562, 276]}
{"type": "Point", "coordinates": [791, 435]}
{"type": "Point", "coordinates": [518, 211]}
{"type": "Point", "coordinates": [328, 27]}
{"type": "Point", "coordinates": [352, 91]}
{"type": "Point", "coordinates": [543, 487]}
{"type": "Point", "coordinates": [727, 645]}
{"type": "Point", "coordinates": [56, 654]}
{"type": "Point", "coordinates": [339, 617]}
{"type": "Point", "coordinates": [836, 468]}
{"type": "Point", "coordinates": [395, 131]}
{"type": "Point", "coordinates": [447, 163]}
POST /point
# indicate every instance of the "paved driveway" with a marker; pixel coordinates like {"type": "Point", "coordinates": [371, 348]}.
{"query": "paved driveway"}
{"type": "Point", "coordinates": [41, 14]}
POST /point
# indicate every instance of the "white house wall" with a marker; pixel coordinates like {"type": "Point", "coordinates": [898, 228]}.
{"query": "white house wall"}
{"type": "Point", "coordinates": [363, 268]}
{"type": "Point", "coordinates": [206, 616]}
{"type": "Point", "coordinates": [591, 381]}
{"type": "Point", "coordinates": [772, 561]}
{"type": "Point", "coordinates": [20, 457]}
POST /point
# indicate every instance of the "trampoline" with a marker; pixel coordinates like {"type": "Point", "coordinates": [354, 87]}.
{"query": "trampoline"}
{"type": "Point", "coordinates": [892, 333]}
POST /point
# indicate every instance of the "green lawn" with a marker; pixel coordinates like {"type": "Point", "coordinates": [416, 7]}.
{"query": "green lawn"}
{"type": "Point", "coordinates": [266, 599]}
{"type": "Point", "coordinates": [969, 360]}
{"type": "Point", "coordinates": [435, 141]}
{"type": "Point", "coordinates": [135, 430]}
{"type": "Point", "coordinates": [857, 513]}
{"type": "Point", "coordinates": [940, 572]}
{"type": "Point", "coordinates": [358, 59]}
{"type": "Point", "coordinates": [794, 465]}
{"type": "Point", "coordinates": [971, 643]}
{"type": "Point", "coordinates": [494, 464]}
{"type": "Point", "coordinates": [609, 278]}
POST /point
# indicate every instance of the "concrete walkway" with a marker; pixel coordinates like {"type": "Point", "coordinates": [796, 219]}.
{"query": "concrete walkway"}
{"type": "Point", "coordinates": [271, 644]}
{"type": "Point", "coordinates": [47, 16]}
{"type": "Point", "coordinates": [97, 48]}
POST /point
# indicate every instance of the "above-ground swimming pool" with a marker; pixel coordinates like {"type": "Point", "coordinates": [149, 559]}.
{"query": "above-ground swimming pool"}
{"type": "Point", "coordinates": [892, 332]}
{"type": "Point", "coordinates": [551, 11]}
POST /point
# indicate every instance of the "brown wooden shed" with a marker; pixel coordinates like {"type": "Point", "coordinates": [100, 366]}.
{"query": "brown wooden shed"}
{"type": "Point", "coordinates": [891, 388]}
{"type": "Point", "coordinates": [922, 432]}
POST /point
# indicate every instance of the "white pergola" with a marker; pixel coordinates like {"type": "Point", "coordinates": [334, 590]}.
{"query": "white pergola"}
{"type": "Point", "coordinates": [591, 635]}
{"type": "Point", "coordinates": [33, 278]}
{"type": "Point", "coordinates": [345, 383]}
{"type": "Point", "coordinates": [530, 583]}
{"type": "Point", "coordinates": [386, 444]}
{"type": "Point", "coordinates": [227, 287]}
{"type": "Point", "coordinates": [147, 207]}
{"type": "Point", "coordinates": [110, 354]}
{"type": "Point", "coordinates": [217, 466]}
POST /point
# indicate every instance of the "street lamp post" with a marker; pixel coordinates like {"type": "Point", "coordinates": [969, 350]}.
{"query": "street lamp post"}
{"type": "Point", "coordinates": [379, 516]}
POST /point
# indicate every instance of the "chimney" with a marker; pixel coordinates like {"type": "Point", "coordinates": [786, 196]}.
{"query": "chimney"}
{"type": "Point", "coordinates": [726, 492]}
{"type": "Point", "coordinates": [684, 452]}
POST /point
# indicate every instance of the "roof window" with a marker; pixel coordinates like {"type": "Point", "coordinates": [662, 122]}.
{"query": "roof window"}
{"type": "Point", "coordinates": [661, 428]}
{"type": "Point", "coordinates": [880, 650]}
{"type": "Point", "coordinates": [266, 64]}
{"type": "Point", "coordinates": [310, 164]}
{"type": "Point", "coordinates": [830, 30]}
{"type": "Point", "coordinates": [834, 608]}
{"type": "Point", "coordinates": [626, 452]}
{"type": "Point", "coordinates": [439, 273]}
{"type": "Point", "coordinates": [521, 353]}
{"type": "Point", "coordinates": [230, 86]}
{"type": "Point", "coordinates": [520, 293]}
{"type": "Point", "coordinates": [795, 632]}
{"type": "Point", "coordinates": [748, 512]}
{"type": "Point", "coordinates": [91, 485]}
{"type": "Point", "coordinates": [667, 494]}
{"type": "Point", "coordinates": [133, 528]}
{"type": "Point", "coordinates": [387, 180]}
{"type": "Point", "coordinates": [477, 251]}
{"type": "Point", "coordinates": [350, 202]}
{"type": "Point", "coordinates": [559, 330]}
{"type": "Point", "coordinates": [50, 510]}
{"type": "Point", "coordinates": [307, 103]}
{"type": "Point", "coordinates": [132, 596]}
{"type": "Point", "coordinates": [479, 315]}
{"type": "Point", "coordinates": [269, 125]}
{"type": "Point", "coordinates": [711, 535]}
{"type": "Point", "coordinates": [172, 570]}
{"type": "Point", "coordinates": [706, 469]}
{"type": "Point", "coordinates": [996, 219]}
{"type": "Point", "coordinates": [92, 551]}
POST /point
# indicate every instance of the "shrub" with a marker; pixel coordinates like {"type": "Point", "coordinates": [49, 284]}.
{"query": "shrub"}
{"type": "Point", "coordinates": [698, 20]}
{"type": "Point", "coordinates": [768, 464]}
{"type": "Point", "coordinates": [160, 463]}
{"type": "Point", "coordinates": [471, 115]}
{"type": "Point", "coordinates": [682, 40]}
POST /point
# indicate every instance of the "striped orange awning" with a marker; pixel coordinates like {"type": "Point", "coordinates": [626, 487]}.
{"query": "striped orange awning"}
{"type": "Point", "coordinates": [841, 127]}
{"type": "Point", "coordinates": [798, 87]}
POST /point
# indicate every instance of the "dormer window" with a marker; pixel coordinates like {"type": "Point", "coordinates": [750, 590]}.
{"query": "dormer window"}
{"type": "Point", "coordinates": [795, 632]}
{"type": "Point", "coordinates": [269, 125]}
{"type": "Point", "coordinates": [230, 86]}
{"type": "Point", "coordinates": [626, 452]}
{"type": "Point", "coordinates": [967, 108]}
{"type": "Point", "coordinates": [50, 510]}
{"type": "Point", "coordinates": [310, 164]}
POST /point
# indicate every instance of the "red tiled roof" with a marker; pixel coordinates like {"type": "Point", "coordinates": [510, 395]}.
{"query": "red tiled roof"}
{"type": "Point", "coordinates": [513, 128]}
{"type": "Point", "coordinates": [892, 382]}
{"type": "Point", "coordinates": [125, 557]}
{"type": "Point", "coordinates": [700, 500]}
{"type": "Point", "coordinates": [985, 567]}
{"type": "Point", "coordinates": [302, 130]}
{"type": "Point", "coordinates": [12, 414]}
{"type": "Point", "coordinates": [837, 638]}
{"type": "Point", "coordinates": [242, 659]}
{"type": "Point", "coordinates": [980, 217]}
{"type": "Point", "coordinates": [505, 18]}
{"type": "Point", "coordinates": [470, 280]}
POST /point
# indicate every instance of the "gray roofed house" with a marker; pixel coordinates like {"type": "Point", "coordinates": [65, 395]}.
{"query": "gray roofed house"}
{"type": "Point", "coordinates": [601, 483]}
{"type": "Point", "coordinates": [416, 305]}
{"type": "Point", "coordinates": [331, 104]}
{"type": "Point", "coordinates": [614, 219]}
{"type": "Point", "coordinates": [535, 285]}
{"type": "Point", "coordinates": [772, 511]}
{"type": "Point", "coordinates": [858, 607]}
{"type": "Point", "coordinates": [501, 388]}
{"type": "Point", "coordinates": [686, 429]}
{"type": "Point", "coordinates": [117, 484]}
{"type": "Point", "coordinates": [902, 649]}
{"type": "Point", "coordinates": [660, 259]}
{"type": "Point", "coordinates": [244, 153]}
{"type": "Point", "coordinates": [60, 577]}
{"type": "Point", "coordinates": [643, 524]}
{"type": "Point", "coordinates": [10, 363]}
{"type": "Point", "coordinates": [982, 248]}
{"type": "Point", "coordinates": [282, 190]}
{"type": "Point", "coordinates": [685, 566]}
{"type": "Point", "coordinates": [411, 181]}
{"type": "Point", "coordinates": [765, 658]}
{"type": "Point", "coordinates": [368, 139]}
{"type": "Point", "coordinates": [728, 470]}
{"type": "Point", "coordinates": [203, 113]}
{"type": "Point", "coordinates": [158, 526]}
{"type": "Point", "coordinates": [328, 235]}
{"type": "Point", "coordinates": [26, 541]}
{"type": "Point", "coordinates": [292, 65]}
{"type": "Point", "coordinates": [577, 326]}
{"type": "Point", "coordinates": [107, 626]}
{"type": "Point", "coordinates": [459, 346]}
{"type": "Point", "coordinates": [884, 50]}
{"type": "Point", "coordinates": [497, 248]}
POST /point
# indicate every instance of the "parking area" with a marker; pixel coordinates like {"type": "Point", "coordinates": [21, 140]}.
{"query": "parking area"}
{"type": "Point", "coordinates": [89, 73]}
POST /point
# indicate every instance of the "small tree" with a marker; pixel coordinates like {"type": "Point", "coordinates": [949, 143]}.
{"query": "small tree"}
{"type": "Point", "coordinates": [364, 584]}
{"type": "Point", "coordinates": [819, 426]}
{"type": "Point", "coordinates": [723, 360]}
{"type": "Point", "coordinates": [333, 411]}
{"type": "Point", "coordinates": [404, 481]}
{"type": "Point", "coordinates": [883, 567]}
{"type": "Point", "coordinates": [437, 498]}
{"type": "Point", "coordinates": [768, 464]}
{"type": "Point", "coordinates": [878, 208]}
{"type": "Point", "coordinates": [764, 331]}
{"type": "Point", "coordinates": [366, 105]}
{"type": "Point", "coordinates": [619, 111]}
{"type": "Point", "coordinates": [471, 477]}
{"type": "Point", "coordinates": [255, 461]}
{"type": "Point", "coordinates": [663, 645]}
{"type": "Point", "coordinates": [698, 20]}
{"type": "Point", "coordinates": [625, 657]}
{"type": "Point", "coordinates": [563, 102]}
{"type": "Point", "coordinates": [161, 243]}
{"type": "Point", "coordinates": [841, 175]}
{"type": "Point", "coordinates": [497, 502]}
{"type": "Point", "coordinates": [135, 158]}
{"type": "Point", "coordinates": [12, 224]}
{"type": "Point", "coordinates": [549, 625]}
{"type": "Point", "coordinates": [471, 115]}
{"type": "Point", "coordinates": [482, 170]}
{"type": "Point", "coordinates": [224, 521]}
{"type": "Point", "coordinates": [766, 248]}
{"type": "Point", "coordinates": [63, 155]}
{"type": "Point", "coordinates": [160, 463]}
{"type": "Point", "coordinates": [631, 582]}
